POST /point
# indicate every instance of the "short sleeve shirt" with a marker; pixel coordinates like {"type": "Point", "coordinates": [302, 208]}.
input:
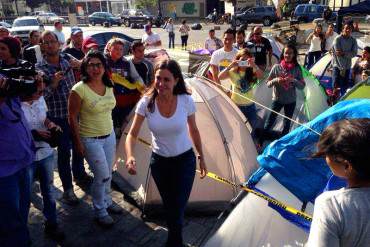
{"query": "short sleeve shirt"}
{"type": "Point", "coordinates": [223, 58]}
{"type": "Point", "coordinates": [96, 111]}
{"type": "Point", "coordinates": [260, 51]}
{"type": "Point", "coordinates": [151, 39]}
{"type": "Point", "coordinates": [170, 136]}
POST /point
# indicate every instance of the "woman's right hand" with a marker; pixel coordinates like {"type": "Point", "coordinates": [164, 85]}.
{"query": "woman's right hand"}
{"type": "Point", "coordinates": [131, 165]}
{"type": "Point", "coordinates": [44, 134]}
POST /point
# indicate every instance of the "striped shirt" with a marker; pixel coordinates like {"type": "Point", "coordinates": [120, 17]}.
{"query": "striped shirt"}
{"type": "Point", "coordinates": [57, 99]}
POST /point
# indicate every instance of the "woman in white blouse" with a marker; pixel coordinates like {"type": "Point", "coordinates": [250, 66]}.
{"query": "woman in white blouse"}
{"type": "Point", "coordinates": [317, 45]}
{"type": "Point", "coordinates": [170, 112]}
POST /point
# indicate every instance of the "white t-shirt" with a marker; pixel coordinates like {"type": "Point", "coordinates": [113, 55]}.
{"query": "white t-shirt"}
{"type": "Point", "coordinates": [341, 218]}
{"type": "Point", "coordinates": [330, 41]}
{"type": "Point", "coordinates": [151, 39]}
{"type": "Point", "coordinates": [35, 114]}
{"type": "Point", "coordinates": [222, 59]}
{"type": "Point", "coordinates": [61, 37]}
{"type": "Point", "coordinates": [170, 136]}
{"type": "Point", "coordinates": [315, 44]}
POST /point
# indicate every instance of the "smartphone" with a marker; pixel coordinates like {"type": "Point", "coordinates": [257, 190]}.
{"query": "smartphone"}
{"type": "Point", "coordinates": [243, 63]}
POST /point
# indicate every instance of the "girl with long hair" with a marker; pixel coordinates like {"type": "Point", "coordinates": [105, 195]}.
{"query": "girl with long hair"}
{"type": "Point", "coordinates": [317, 45]}
{"type": "Point", "coordinates": [170, 113]}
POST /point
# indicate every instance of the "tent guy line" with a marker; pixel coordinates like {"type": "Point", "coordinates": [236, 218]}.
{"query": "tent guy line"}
{"type": "Point", "coordinates": [263, 106]}
{"type": "Point", "coordinates": [271, 200]}
{"type": "Point", "coordinates": [267, 198]}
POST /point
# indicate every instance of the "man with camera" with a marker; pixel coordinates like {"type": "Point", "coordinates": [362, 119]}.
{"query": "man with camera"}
{"type": "Point", "coordinates": [58, 71]}
{"type": "Point", "coordinates": [17, 150]}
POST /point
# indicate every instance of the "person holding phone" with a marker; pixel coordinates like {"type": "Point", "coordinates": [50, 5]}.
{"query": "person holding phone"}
{"type": "Point", "coordinates": [244, 74]}
{"type": "Point", "coordinates": [284, 78]}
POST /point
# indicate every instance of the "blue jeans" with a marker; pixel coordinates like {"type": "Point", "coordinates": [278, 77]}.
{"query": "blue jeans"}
{"type": "Point", "coordinates": [174, 178]}
{"type": "Point", "coordinates": [250, 113]}
{"type": "Point", "coordinates": [14, 208]}
{"type": "Point", "coordinates": [64, 156]}
{"type": "Point", "coordinates": [100, 154]}
{"type": "Point", "coordinates": [171, 39]}
{"type": "Point", "coordinates": [342, 81]}
{"type": "Point", "coordinates": [288, 112]}
{"type": "Point", "coordinates": [44, 168]}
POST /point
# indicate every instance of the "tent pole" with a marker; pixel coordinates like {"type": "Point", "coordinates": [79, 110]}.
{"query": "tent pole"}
{"type": "Point", "coordinates": [231, 164]}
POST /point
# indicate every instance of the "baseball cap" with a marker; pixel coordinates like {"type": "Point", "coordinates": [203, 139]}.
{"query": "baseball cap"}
{"type": "Point", "coordinates": [75, 30]}
{"type": "Point", "coordinates": [89, 42]}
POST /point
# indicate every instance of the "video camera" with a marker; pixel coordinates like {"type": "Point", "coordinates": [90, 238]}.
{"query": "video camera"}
{"type": "Point", "coordinates": [15, 87]}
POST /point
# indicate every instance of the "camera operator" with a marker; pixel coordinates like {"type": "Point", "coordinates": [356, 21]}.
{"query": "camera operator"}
{"type": "Point", "coordinates": [61, 80]}
{"type": "Point", "coordinates": [17, 152]}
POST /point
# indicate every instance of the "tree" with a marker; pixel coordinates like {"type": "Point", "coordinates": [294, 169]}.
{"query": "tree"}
{"type": "Point", "coordinates": [34, 3]}
{"type": "Point", "coordinates": [144, 4]}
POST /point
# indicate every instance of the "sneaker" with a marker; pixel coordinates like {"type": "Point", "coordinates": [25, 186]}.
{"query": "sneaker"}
{"type": "Point", "coordinates": [114, 209]}
{"type": "Point", "coordinates": [70, 198]}
{"type": "Point", "coordinates": [105, 221]}
{"type": "Point", "coordinates": [54, 232]}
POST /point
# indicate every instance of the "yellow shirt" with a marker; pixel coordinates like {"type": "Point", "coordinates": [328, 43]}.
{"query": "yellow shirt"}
{"type": "Point", "coordinates": [95, 116]}
{"type": "Point", "coordinates": [235, 84]}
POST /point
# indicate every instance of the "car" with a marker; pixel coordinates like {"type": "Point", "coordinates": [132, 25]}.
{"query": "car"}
{"type": "Point", "coordinates": [103, 36]}
{"type": "Point", "coordinates": [262, 14]}
{"type": "Point", "coordinates": [309, 12]}
{"type": "Point", "coordinates": [136, 17]}
{"type": "Point", "coordinates": [23, 25]}
{"type": "Point", "coordinates": [104, 17]}
{"type": "Point", "coordinates": [50, 18]}
{"type": "Point", "coordinates": [5, 24]}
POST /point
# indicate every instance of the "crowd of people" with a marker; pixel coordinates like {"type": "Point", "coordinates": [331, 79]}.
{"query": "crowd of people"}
{"type": "Point", "coordinates": [82, 98]}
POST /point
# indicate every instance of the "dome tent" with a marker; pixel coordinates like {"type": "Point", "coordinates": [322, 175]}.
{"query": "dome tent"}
{"type": "Point", "coordinates": [289, 175]}
{"type": "Point", "coordinates": [359, 91]}
{"type": "Point", "coordinates": [227, 145]}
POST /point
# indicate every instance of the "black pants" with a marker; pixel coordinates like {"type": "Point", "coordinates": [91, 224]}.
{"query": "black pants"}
{"type": "Point", "coordinates": [288, 112]}
{"type": "Point", "coordinates": [312, 58]}
{"type": "Point", "coordinates": [171, 39]}
{"type": "Point", "coordinates": [174, 178]}
{"type": "Point", "coordinates": [184, 41]}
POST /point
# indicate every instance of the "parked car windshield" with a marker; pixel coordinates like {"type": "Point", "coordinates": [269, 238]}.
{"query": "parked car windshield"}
{"type": "Point", "coordinates": [26, 22]}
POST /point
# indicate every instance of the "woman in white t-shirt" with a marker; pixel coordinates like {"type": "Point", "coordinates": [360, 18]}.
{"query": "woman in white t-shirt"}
{"type": "Point", "coordinates": [317, 40]}
{"type": "Point", "coordinates": [170, 113]}
{"type": "Point", "coordinates": [184, 33]}
{"type": "Point", "coordinates": [330, 35]}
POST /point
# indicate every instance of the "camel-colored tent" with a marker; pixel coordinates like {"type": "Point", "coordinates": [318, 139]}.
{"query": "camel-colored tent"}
{"type": "Point", "coordinates": [227, 145]}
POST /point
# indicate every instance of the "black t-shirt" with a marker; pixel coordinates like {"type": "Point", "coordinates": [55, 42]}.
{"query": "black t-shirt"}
{"type": "Point", "coordinates": [76, 53]}
{"type": "Point", "coordinates": [142, 69]}
{"type": "Point", "coordinates": [260, 51]}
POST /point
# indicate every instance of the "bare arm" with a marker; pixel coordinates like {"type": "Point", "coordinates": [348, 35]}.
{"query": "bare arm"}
{"type": "Point", "coordinates": [215, 71]}
{"type": "Point", "coordinates": [74, 108]}
{"type": "Point", "coordinates": [195, 136]}
{"type": "Point", "coordinates": [131, 141]}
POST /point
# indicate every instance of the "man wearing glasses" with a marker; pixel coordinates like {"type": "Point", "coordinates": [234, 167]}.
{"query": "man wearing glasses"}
{"type": "Point", "coordinates": [61, 80]}
{"type": "Point", "coordinates": [261, 49]}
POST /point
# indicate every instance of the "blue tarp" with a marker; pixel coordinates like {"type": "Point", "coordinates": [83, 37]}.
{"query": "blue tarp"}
{"type": "Point", "coordinates": [288, 159]}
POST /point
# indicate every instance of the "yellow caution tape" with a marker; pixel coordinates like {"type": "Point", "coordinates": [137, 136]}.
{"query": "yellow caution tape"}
{"type": "Point", "coordinates": [273, 201]}
{"type": "Point", "coordinates": [118, 79]}
{"type": "Point", "coordinates": [267, 198]}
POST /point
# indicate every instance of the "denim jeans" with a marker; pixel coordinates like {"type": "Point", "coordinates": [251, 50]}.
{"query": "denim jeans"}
{"type": "Point", "coordinates": [99, 154]}
{"type": "Point", "coordinates": [64, 156]}
{"type": "Point", "coordinates": [250, 113]}
{"type": "Point", "coordinates": [14, 208]}
{"type": "Point", "coordinates": [184, 41]}
{"type": "Point", "coordinates": [171, 39]}
{"type": "Point", "coordinates": [44, 168]}
{"type": "Point", "coordinates": [174, 178]}
{"type": "Point", "coordinates": [341, 81]}
{"type": "Point", "coordinates": [288, 112]}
